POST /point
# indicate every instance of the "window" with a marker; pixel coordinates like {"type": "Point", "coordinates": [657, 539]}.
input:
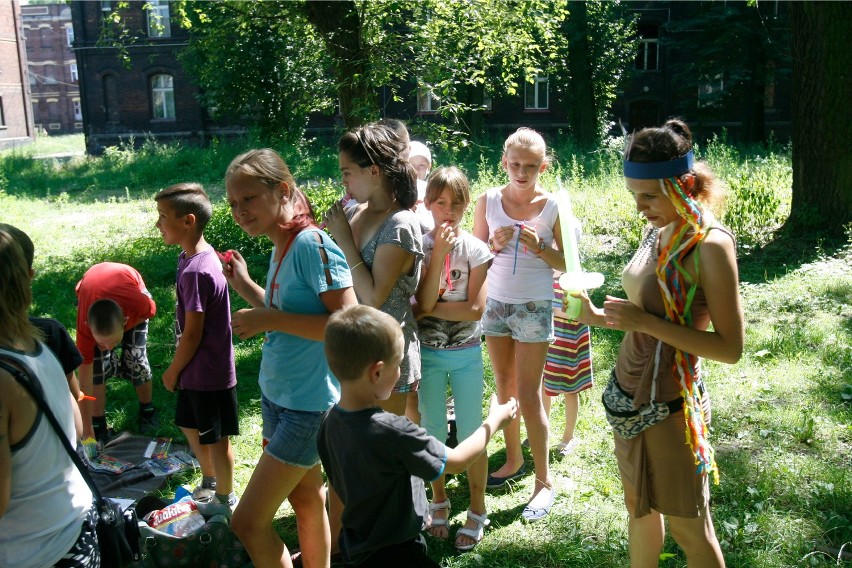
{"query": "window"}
{"type": "Point", "coordinates": [73, 69]}
{"type": "Point", "coordinates": [710, 91]}
{"type": "Point", "coordinates": [648, 57]}
{"type": "Point", "coordinates": [159, 24]}
{"type": "Point", "coordinates": [2, 114]}
{"type": "Point", "coordinates": [110, 99]}
{"type": "Point", "coordinates": [427, 100]}
{"type": "Point", "coordinates": [536, 93]}
{"type": "Point", "coordinates": [163, 96]}
{"type": "Point", "coordinates": [78, 110]}
{"type": "Point", "coordinates": [69, 35]}
{"type": "Point", "coordinates": [106, 6]}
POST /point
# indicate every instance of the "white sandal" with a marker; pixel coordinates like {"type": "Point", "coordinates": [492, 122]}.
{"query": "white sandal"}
{"type": "Point", "coordinates": [435, 523]}
{"type": "Point", "coordinates": [475, 534]}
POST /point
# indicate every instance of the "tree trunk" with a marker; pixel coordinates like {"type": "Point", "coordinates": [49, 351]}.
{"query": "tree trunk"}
{"type": "Point", "coordinates": [339, 25]}
{"type": "Point", "coordinates": [822, 113]}
{"type": "Point", "coordinates": [582, 115]}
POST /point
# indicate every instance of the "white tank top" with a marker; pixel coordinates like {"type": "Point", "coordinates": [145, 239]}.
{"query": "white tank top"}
{"type": "Point", "coordinates": [49, 498]}
{"type": "Point", "coordinates": [516, 276]}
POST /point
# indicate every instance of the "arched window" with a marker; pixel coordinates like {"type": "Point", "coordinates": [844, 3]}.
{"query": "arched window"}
{"type": "Point", "coordinates": [162, 97]}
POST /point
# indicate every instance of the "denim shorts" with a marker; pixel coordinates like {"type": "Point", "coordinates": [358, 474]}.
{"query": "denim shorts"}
{"type": "Point", "coordinates": [290, 436]}
{"type": "Point", "coordinates": [529, 322]}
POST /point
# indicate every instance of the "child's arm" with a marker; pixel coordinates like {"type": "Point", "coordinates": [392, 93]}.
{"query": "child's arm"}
{"type": "Point", "coordinates": [554, 257]}
{"type": "Point", "coordinates": [236, 273]}
{"type": "Point", "coordinates": [429, 288]}
{"type": "Point", "coordinates": [190, 339]}
{"type": "Point", "coordinates": [6, 381]}
{"type": "Point", "coordinates": [249, 322]}
{"type": "Point", "coordinates": [472, 309]}
{"type": "Point", "coordinates": [499, 415]}
{"type": "Point", "coordinates": [374, 286]}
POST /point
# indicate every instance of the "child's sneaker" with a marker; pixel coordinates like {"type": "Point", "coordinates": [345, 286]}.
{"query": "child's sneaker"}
{"type": "Point", "coordinates": [229, 500]}
{"type": "Point", "coordinates": [148, 421]}
{"type": "Point", "coordinates": [203, 494]}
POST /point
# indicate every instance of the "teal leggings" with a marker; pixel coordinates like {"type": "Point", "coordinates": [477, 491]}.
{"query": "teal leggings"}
{"type": "Point", "coordinates": [462, 368]}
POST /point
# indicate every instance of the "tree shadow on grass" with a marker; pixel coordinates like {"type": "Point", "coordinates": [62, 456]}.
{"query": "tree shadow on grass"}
{"type": "Point", "coordinates": [785, 254]}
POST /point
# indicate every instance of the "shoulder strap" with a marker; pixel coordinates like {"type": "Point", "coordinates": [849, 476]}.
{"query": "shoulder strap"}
{"type": "Point", "coordinates": [24, 376]}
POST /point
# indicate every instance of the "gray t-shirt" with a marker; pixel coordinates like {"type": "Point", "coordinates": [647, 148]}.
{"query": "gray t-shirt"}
{"type": "Point", "coordinates": [403, 230]}
{"type": "Point", "coordinates": [377, 463]}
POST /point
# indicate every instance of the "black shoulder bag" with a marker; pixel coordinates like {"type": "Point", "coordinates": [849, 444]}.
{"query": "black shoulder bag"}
{"type": "Point", "coordinates": [118, 532]}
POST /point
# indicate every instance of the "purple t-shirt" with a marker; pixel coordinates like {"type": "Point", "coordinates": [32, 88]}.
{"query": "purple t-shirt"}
{"type": "Point", "coordinates": [201, 287]}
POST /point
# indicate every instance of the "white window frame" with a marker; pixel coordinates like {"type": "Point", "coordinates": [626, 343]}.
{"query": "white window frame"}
{"type": "Point", "coordinates": [78, 110]}
{"type": "Point", "coordinates": [69, 35]}
{"type": "Point", "coordinates": [159, 19]}
{"type": "Point", "coordinates": [163, 97]}
{"type": "Point", "coordinates": [536, 85]}
{"type": "Point", "coordinates": [75, 76]}
{"type": "Point", "coordinates": [427, 100]}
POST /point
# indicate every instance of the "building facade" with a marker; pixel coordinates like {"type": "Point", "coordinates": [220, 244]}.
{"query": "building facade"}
{"type": "Point", "coordinates": [153, 95]}
{"type": "Point", "coordinates": [16, 121]}
{"type": "Point", "coordinates": [149, 94]}
{"type": "Point", "coordinates": [53, 74]}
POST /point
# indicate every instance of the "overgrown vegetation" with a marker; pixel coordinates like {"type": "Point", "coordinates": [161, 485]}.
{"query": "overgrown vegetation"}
{"type": "Point", "coordinates": [782, 415]}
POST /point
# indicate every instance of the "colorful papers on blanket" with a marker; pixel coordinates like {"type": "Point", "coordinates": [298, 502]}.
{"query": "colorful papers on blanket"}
{"type": "Point", "coordinates": [108, 464]}
{"type": "Point", "coordinates": [168, 465]}
{"type": "Point", "coordinates": [158, 448]}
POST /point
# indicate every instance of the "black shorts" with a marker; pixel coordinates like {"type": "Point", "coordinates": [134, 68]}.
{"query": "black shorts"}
{"type": "Point", "coordinates": [212, 413]}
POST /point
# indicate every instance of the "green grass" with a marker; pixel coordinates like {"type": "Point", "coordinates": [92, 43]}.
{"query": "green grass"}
{"type": "Point", "coordinates": [45, 145]}
{"type": "Point", "coordinates": [782, 416]}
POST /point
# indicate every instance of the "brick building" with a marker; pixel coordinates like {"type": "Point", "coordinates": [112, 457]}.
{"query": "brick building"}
{"type": "Point", "coordinates": [16, 121]}
{"type": "Point", "coordinates": [152, 96]}
{"type": "Point", "coordinates": [54, 84]}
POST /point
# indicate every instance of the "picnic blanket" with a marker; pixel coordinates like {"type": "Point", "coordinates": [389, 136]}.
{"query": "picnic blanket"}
{"type": "Point", "coordinates": [137, 481]}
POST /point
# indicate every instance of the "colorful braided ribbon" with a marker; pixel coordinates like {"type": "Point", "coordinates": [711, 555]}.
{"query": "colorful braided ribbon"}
{"type": "Point", "coordinates": [678, 290]}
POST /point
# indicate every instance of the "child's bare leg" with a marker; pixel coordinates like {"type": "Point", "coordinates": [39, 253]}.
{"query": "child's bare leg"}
{"type": "Point", "coordinates": [201, 451]}
{"type": "Point", "coordinates": [412, 412]}
{"type": "Point", "coordinates": [529, 361]}
{"type": "Point", "coordinates": [335, 511]}
{"type": "Point", "coordinates": [271, 482]}
{"type": "Point", "coordinates": [396, 404]}
{"type": "Point", "coordinates": [308, 500]}
{"type": "Point", "coordinates": [222, 457]}
{"type": "Point", "coordinates": [439, 494]}
{"type": "Point", "coordinates": [501, 350]}
{"type": "Point", "coordinates": [572, 408]}
{"type": "Point", "coordinates": [477, 476]}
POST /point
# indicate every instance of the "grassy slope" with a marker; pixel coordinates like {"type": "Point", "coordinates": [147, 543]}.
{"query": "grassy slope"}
{"type": "Point", "coordinates": [781, 415]}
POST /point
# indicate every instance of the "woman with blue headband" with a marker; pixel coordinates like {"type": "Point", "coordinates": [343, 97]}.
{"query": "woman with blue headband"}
{"type": "Point", "coordinates": [682, 278]}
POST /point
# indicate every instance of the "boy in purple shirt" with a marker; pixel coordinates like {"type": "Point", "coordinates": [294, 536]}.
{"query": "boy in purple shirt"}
{"type": "Point", "coordinates": [202, 371]}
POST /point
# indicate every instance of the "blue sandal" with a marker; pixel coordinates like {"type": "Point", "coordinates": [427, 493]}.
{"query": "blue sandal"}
{"type": "Point", "coordinates": [495, 482]}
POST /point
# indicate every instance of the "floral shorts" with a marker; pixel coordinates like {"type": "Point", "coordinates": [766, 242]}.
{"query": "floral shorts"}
{"type": "Point", "coordinates": [529, 322]}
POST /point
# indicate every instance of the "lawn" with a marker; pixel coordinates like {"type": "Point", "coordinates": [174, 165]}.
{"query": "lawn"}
{"type": "Point", "coordinates": [782, 415]}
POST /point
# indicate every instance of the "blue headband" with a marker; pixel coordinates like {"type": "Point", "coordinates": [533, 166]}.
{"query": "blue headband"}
{"type": "Point", "coordinates": [659, 170]}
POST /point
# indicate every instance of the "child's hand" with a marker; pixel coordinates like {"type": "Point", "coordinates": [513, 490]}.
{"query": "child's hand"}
{"type": "Point", "coordinates": [248, 322]}
{"type": "Point", "coordinates": [337, 224]}
{"type": "Point", "coordinates": [502, 236]}
{"type": "Point", "coordinates": [234, 267]}
{"type": "Point", "coordinates": [170, 380]}
{"type": "Point", "coordinates": [529, 238]}
{"type": "Point", "coordinates": [445, 239]}
{"type": "Point", "coordinates": [589, 314]}
{"type": "Point", "coordinates": [503, 413]}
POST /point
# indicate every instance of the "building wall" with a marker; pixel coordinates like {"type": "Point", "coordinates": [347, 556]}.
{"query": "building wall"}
{"type": "Point", "coordinates": [16, 124]}
{"type": "Point", "coordinates": [57, 108]}
{"type": "Point", "coordinates": [119, 103]}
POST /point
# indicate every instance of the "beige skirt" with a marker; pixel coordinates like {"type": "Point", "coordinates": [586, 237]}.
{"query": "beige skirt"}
{"type": "Point", "coordinates": [658, 467]}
